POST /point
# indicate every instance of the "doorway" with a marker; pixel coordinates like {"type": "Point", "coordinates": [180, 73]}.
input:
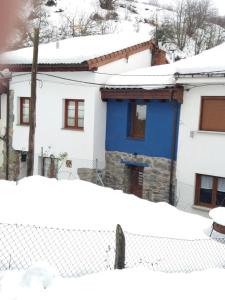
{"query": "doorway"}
{"type": "Point", "coordinates": [136, 180]}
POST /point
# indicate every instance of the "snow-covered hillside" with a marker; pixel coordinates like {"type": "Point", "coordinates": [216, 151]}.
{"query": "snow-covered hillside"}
{"type": "Point", "coordinates": [131, 15]}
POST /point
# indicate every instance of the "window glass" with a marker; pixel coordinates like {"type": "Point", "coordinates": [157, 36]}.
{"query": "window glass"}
{"type": "Point", "coordinates": [138, 120]}
{"type": "Point", "coordinates": [74, 114]}
{"type": "Point", "coordinates": [206, 189]}
{"type": "Point", "coordinates": [25, 111]}
{"type": "Point", "coordinates": [220, 195]}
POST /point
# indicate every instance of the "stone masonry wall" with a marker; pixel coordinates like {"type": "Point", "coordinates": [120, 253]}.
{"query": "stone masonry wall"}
{"type": "Point", "coordinates": [156, 178]}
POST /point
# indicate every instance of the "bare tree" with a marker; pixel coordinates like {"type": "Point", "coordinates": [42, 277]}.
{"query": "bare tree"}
{"type": "Point", "coordinates": [191, 23]}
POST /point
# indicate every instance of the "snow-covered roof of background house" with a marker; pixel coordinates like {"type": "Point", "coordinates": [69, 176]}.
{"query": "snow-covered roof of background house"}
{"type": "Point", "coordinates": [75, 50]}
{"type": "Point", "coordinates": [209, 61]}
{"type": "Point", "coordinates": [146, 78]}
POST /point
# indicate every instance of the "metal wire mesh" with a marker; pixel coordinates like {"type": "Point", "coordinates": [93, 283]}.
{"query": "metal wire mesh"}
{"type": "Point", "coordinates": [79, 252]}
{"type": "Point", "coordinates": [174, 255]}
{"type": "Point", "coordinates": [72, 252]}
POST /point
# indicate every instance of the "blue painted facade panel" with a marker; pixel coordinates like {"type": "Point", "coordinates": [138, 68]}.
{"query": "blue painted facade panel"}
{"type": "Point", "coordinates": [159, 129]}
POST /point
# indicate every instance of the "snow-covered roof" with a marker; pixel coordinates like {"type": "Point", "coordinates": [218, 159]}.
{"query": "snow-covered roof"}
{"type": "Point", "coordinates": [75, 50]}
{"type": "Point", "coordinates": [209, 61]}
{"type": "Point", "coordinates": [146, 78]}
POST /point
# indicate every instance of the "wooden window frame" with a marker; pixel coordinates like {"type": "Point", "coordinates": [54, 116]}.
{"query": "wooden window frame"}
{"type": "Point", "coordinates": [66, 104]}
{"type": "Point", "coordinates": [214, 191]}
{"type": "Point", "coordinates": [22, 99]}
{"type": "Point", "coordinates": [133, 109]}
{"type": "Point", "coordinates": [201, 112]}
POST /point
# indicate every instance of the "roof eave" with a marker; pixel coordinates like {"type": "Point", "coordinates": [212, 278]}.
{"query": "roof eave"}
{"type": "Point", "coordinates": [168, 93]}
{"type": "Point", "coordinates": [47, 67]}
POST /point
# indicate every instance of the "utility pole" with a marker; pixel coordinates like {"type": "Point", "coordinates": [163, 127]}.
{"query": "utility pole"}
{"type": "Point", "coordinates": [32, 114]}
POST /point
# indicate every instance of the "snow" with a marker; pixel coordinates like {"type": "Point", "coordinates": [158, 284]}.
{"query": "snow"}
{"type": "Point", "coordinates": [82, 205]}
{"type": "Point", "coordinates": [126, 284]}
{"type": "Point", "coordinates": [209, 61]}
{"type": "Point", "coordinates": [218, 215]}
{"type": "Point", "coordinates": [75, 50]}
{"type": "Point", "coordinates": [147, 78]}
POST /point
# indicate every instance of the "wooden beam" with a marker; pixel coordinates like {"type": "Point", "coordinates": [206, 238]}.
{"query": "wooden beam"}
{"type": "Point", "coordinates": [172, 93]}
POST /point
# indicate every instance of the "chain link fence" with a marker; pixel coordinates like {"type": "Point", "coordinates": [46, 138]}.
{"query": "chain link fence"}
{"type": "Point", "coordinates": [79, 252]}
{"type": "Point", "coordinates": [172, 255]}
{"type": "Point", "coordinates": [72, 252]}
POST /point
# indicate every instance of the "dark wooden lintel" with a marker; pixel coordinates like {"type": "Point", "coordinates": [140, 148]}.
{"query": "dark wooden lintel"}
{"type": "Point", "coordinates": [171, 93]}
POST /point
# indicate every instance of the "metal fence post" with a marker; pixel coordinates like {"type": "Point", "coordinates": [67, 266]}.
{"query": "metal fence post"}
{"type": "Point", "coordinates": [120, 248]}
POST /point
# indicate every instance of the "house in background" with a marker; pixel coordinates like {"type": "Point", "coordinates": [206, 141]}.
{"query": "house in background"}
{"type": "Point", "coordinates": [153, 142]}
{"type": "Point", "coordinates": [201, 145]}
{"type": "Point", "coordinates": [71, 118]}
{"type": "Point", "coordinates": [142, 131]}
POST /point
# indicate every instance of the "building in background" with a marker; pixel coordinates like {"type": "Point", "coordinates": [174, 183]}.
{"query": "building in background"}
{"type": "Point", "coordinates": [71, 119]}
{"type": "Point", "coordinates": [142, 132]}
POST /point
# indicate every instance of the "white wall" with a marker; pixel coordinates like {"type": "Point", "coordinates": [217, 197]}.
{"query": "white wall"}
{"type": "Point", "coordinates": [198, 152]}
{"type": "Point", "coordinates": [83, 147]}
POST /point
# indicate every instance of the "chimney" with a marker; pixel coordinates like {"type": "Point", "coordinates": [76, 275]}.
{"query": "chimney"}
{"type": "Point", "coordinates": [158, 57]}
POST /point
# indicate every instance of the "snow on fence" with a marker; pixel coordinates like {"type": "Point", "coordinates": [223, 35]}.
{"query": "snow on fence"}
{"type": "Point", "coordinates": [79, 252]}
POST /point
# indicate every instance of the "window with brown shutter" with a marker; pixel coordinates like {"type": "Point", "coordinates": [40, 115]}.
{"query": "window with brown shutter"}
{"type": "Point", "coordinates": [25, 110]}
{"type": "Point", "coordinates": [74, 114]}
{"type": "Point", "coordinates": [212, 114]}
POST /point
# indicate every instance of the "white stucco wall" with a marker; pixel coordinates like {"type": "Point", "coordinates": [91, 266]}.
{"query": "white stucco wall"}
{"type": "Point", "coordinates": [198, 152]}
{"type": "Point", "coordinates": [82, 147]}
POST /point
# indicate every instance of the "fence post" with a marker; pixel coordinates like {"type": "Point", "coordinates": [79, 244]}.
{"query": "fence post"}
{"type": "Point", "coordinates": [120, 248]}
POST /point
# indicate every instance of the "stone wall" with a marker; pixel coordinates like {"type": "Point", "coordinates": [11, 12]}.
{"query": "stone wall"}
{"type": "Point", "coordinates": [87, 174]}
{"type": "Point", "coordinates": [156, 178]}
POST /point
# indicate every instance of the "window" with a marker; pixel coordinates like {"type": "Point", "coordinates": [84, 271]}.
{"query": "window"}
{"type": "Point", "coordinates": [74, 114]}
{"type": "Point", "coordinates": [212, 114]}
{"type": "Point", "coordinates": [210, 191]}
{"type": "Point", "coordinates": [138, 120]}
{"type": "Point", "coordinates": [24, 111]}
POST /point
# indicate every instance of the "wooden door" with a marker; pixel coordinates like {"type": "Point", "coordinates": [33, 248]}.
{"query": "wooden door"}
{"type": "Point", "coordinates": [136, 180]}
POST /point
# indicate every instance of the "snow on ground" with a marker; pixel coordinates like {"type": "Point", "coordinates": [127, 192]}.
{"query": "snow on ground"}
{"type": "Point", "coordinates": [127, 284]}
{"type": "Point", "coordinates": [83, 205]}
{"type": "Point", "coordinates": [218, 215]}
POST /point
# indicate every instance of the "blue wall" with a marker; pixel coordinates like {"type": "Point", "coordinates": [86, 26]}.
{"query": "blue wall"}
{"type": "Point", "coordinates": [158, 132]}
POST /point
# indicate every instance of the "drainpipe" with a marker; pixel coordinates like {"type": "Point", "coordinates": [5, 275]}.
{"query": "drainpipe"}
{"type": "Point", "coordinates": [7, 131]}
{"type": "Point", "coordinates": [173, 154]}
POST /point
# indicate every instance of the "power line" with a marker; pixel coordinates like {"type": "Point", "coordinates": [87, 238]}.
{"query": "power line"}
{"type": "Point", "coordinates": [103, 84]}
{"type": "Point", "coordinates": [222, 72]}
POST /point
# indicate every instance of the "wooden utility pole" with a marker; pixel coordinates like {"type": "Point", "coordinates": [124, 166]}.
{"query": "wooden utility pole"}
{"type": "Point", "coordinates": [30, 158]}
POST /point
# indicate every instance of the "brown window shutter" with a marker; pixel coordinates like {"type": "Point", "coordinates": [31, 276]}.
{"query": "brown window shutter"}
{"type": "Point", "coordinates": [213, 114]}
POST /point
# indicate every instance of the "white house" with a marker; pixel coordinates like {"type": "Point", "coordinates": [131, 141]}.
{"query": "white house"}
{"type": "Point", "coordinates": [70, 114]}
{"type": "Point", "coordinates": [201, 148]}
{"type": "Point", "coordinates": [200, 159]}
